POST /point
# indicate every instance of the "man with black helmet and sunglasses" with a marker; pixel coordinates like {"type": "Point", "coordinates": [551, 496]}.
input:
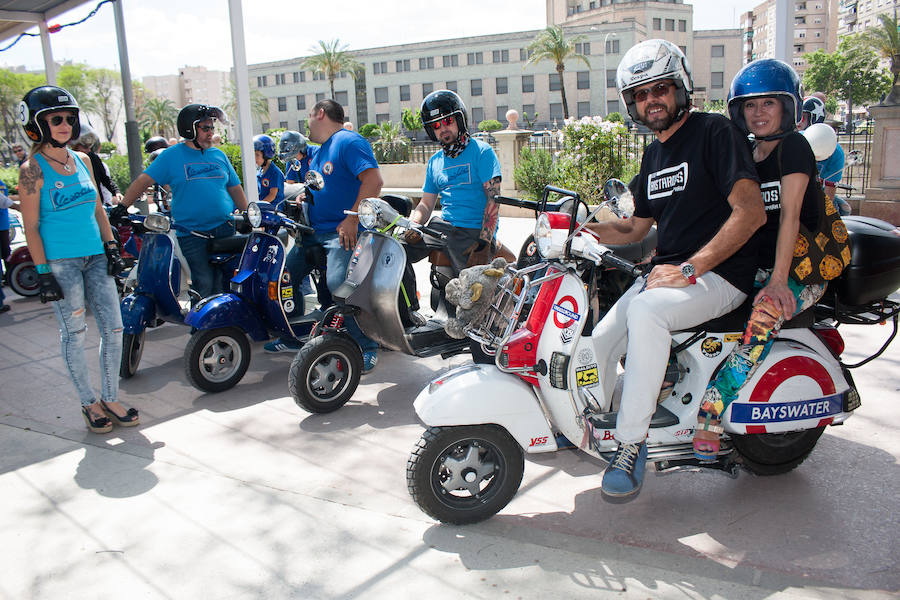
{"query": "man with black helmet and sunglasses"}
{"type": "Point", "coordinates": [699, 185]}
{"type": "Point", "coordinates": [205, 190]}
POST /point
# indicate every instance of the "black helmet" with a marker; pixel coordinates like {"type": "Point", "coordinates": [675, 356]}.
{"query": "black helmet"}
{"type": "Point", "coordinates": [155, 143]}
{"type": "Point", "coordinates": [440, 104]}
{"type": "Point", "coordinates": [291, 143]}
{"type": "Point", "coordinates": [192, 114]}
{"type": "Point", "coordinates": [815, 109]}
{"type": "Point", "coordinates": [46, 98]}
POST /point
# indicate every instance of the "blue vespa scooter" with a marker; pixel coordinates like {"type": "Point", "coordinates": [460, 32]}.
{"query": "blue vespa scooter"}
{"type": "Point", "coordinates": [159, 284]}
{"type": "Point", "coordinates": [261, 301]}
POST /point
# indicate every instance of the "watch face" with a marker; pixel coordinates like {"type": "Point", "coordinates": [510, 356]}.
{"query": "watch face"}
{"type": "Point", "coordinates": [687, 269]}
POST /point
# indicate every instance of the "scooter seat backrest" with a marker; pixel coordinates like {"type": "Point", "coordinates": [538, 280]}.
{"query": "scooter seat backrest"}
{"type": "Point", "coordinates": [736, 320]}
{"type": "Point", "coordinates": [233, 244]}
{"type": "Point", "coordinates": [402, 204]}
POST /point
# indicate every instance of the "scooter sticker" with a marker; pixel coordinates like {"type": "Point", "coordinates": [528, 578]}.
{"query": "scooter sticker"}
{"type": "Point", "coordinates": [587, 376]}
{"type": "Point", "coordinates": [288, 306]}
{"type": "Point", "coordinates": [287, 293]}
{"type": "Point", "coordinates": [270, 254]}
{"type": "Point", "coordinates": [285, 277]}
{"type": "Point", "coordinates": [711, 347]}
{"type": "Point", "coordinates": [585, 356]}
{"type": "Point", "coordinates": [732, 337]}
{"type": "Point", "coordinates": [571, 314]}
{"type": "Point", "coordinates": [770, 412]}
{"type": "Point", "coordinates": [567, 334]}
{"type": "Point", "coordinates": [530, 249]}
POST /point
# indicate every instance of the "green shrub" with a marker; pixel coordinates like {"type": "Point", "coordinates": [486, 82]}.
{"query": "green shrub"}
{"type": "Point", "coordinates": [615, 117]}
{"type": "Point", "coordinates": [490, 125]}
{"type": "Point", "coordinates": [108, 148]}
{"type": "Point", "coordinates": [368, 130]}
{"type": "Point", "coordinates": [593, 151]}
{"type": "Point", "coordinates": [119, 171]}
{"type": "Point", "coordinates": [534, 172]}
{"type": "Point", "coordinates": [233, 152]}
{"type": "Point", "coordinates": [10, 176]}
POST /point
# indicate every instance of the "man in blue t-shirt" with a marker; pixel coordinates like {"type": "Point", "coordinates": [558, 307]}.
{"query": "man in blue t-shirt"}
{"type": "Point", "coordinates": [351, 174]}
{"type": "Point", "coordinates": [205, 190]}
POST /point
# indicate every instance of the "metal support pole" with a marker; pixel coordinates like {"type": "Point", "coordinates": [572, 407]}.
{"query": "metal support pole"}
{"type": "Point", "coordinates": [784, 30]}
{"type": "Point", "coordinates": [244, 124]}
{"type": "Point", "coordinates": [132, 137]}
{"type": "Point", "coordinates": [49, 65]}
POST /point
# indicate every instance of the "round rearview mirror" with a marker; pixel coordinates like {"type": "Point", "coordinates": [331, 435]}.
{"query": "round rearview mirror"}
{"type": "Point", "coordinates": [314, 180]}
{"type": "Point", "coordinates": [619, 197]}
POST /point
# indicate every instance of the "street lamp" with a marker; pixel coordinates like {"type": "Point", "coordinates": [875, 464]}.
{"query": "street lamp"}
{"type": "Point", "coordinates": [605, 78]}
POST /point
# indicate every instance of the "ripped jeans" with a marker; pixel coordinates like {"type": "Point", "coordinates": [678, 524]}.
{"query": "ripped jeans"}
{"type": "Point", "coordinates": [84, 282]}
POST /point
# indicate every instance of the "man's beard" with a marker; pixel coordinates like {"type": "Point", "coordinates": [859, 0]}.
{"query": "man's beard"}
{"type": "Point", "coordinates": [658, 124]}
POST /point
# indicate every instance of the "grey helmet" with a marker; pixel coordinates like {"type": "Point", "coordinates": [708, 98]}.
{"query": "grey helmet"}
{"type": "Point", "coordinates": [87, 138]}
{"type": "Point", "coordinates": [654, 60]}
{"type": "Point", "coordinates": [290, 143]}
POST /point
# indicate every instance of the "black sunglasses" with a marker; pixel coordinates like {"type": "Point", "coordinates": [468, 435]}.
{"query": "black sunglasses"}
{"type": "Point", "coordinates": [56, 120]}
{"type": "Point", "coordinates": [657, 91]}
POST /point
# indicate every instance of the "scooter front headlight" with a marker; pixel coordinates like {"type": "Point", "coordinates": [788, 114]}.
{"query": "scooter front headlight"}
{"type": "Point", "coordinates": [254, 214]}
{"type": "Point", "coordinates": [157, 223]}
{"type": "Point", "coordinates": [368, 214]}
{"type": "Point", "coordinates": [543, 235]}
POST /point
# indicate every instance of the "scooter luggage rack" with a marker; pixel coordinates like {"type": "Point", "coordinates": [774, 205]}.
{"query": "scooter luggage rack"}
{"type": "Point", "coordinates": [501, 318]}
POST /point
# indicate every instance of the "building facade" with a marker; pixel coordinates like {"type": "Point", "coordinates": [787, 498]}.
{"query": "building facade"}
{"type": "Point", "coordinates": [858, 15]}
{"type": "Point", "coordinates": [815, 28]}
{"type": "Point", "coordinates": [192, 84]}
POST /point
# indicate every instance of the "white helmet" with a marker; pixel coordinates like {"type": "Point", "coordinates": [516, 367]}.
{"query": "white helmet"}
{"type": "Point", "coordinates": [654, 60]}
{"type": "Point", "coordinates": [822, 139]}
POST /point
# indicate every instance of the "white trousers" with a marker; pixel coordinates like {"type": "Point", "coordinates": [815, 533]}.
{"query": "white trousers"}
{"type": "Point", "coordinates": [641, 324]}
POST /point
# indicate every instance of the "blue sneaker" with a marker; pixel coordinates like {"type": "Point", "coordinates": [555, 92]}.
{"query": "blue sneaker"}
{"type": "Point", "coordinates": [624, 476]}
{"type": "Point", "coordinates": [282, 345]}
{"type": "Point", "coordinates": [370, 359]}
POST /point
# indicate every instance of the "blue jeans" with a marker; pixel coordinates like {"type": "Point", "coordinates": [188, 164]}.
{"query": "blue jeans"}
{"type": "Point", "coordinates": [205, 280]}
{"type": "Point", "coordinates": [337, 259]}
{"type": "Point", "coordinates": [84, 281]}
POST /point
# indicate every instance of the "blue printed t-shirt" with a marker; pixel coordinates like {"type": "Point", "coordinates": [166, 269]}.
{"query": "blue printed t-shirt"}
{"type": "Point", "coordinates": [832, 168]}
{"type": "Point", "coordinates": [271, 179]}
{"type": "Point", "coordinates": [460, 182]}
{"type": "Point", "coordinates": [4, 212]}
{"type": "Point", "coordinates": [199, 183]}
{"type": "Point", "coordinates": [67, 223]}
{"type": "Point", "coordinates": [299, 175]}
{"type": "Point", "coordinates": [340, 160]}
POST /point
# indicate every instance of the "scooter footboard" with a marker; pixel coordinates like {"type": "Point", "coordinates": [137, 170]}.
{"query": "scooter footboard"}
{"type": "Point", "coordinates": [480, 394]}
{"type": "Point", "coordinates": [794, 388]}
{"type": "Point", "coordinates": [227, 310]}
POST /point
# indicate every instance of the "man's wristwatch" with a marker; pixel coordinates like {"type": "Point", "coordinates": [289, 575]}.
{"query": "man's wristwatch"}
{"type": "Point", "coordinates": [688, 271]}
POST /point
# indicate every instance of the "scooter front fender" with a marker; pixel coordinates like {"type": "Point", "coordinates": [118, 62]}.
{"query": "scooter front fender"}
{"type": "Point", "coordinates": [480, 394]}
{"type": "Point", "coordinates": [138, 313]}
{"type": "Point", "coordinates": [227, 310]}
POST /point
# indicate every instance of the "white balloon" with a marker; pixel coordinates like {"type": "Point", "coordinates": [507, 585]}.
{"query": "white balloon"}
{"type": "Point", "coordinates": [822, 139]}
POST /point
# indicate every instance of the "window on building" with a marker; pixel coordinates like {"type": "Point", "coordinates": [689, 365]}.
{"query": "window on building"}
{"type": "Point", "coordinates": [717, 51]}
{"type": "Point", "coordinates": [499, 56]}
{"type": "Point", "coordinates": [426, 63]}
{"type": "Point", "coordinates": [502, 85]}
{"type": "Point", "coordinates": [670, 24]}
{"type": "Point", "coordinates": [682, 25]}
{"type": "Point", "coordinates": [798, 48]}
{"type": "Point", "coordinates": [612, 106]}
{"type": "Point", "coordinates": [404, 93]}
{"type": "Point", "coordinates": [341, 98]}
{"type": "Point", "coordinates": [584, 109]}
{"type": "Point", "coordinates": [556, 112]}
{"type": "Point", "coordinates": [717, 80]}
{"type": "Point", "coordinates": [527, 83]}
{"type": "Point", "coordinates": [610, 78]}
{"type": "Point", "coordinates": [477, 116]}
{"type": "Point", "coordinates": [451, 60]}
{"type": "Point", "coordinates": [265, 126]}
{"type": "Point", "coordinates": [282, 103]}
{"type": "Point", "coordinates": [612, 46]}
{"type": "Point", "coordinates": [282, 124]}
{"type": "Point", "coordinates": [279, 78]}
{"type": "Point", "coordinates": [319, 97]}
{"type": "Point", "coordinates": [301, 125]}
{"type": "Point", "coordinates": [301, 102]}
{"type": "Point", "coordinates": [380, 67]}
{"type": "Point", "coordinates": [501, 113]}
{"type": "Point", "coordinates": [381, 95]}
{"type": "Point", "coordinates": [382, 118]}
{"type": "Point", "coordinates": [451, 85]}
{"type": "Point", "coordinates": [299, 76]}
{"type": "Point", "coordinates": [583, 48]}
{"type": "Point", "coordinates": [427, 88]}
{"type": "Point", "coordinates": [683, 49]}
{"type": "Point", "coordinates": [262, 81]}
{"type": "Point", "coordinates": [584, 80]}
{"type": "Point", "coordinates": [317, 76]}
{"type": "Point", "coordinates": [555, 84]}
{"type": "Point", "coordinates": [528, 109]}
{"type": "Point", "coordinates": [525, 54]}
{"type": "Point", "coordinates": [475, 58]}
{"type": "Point", "coordinates": [402, 65]}
{"type": "Point", "coordinates": [657, 24]}
{"type": "Point", "coordinates": [476, 87]}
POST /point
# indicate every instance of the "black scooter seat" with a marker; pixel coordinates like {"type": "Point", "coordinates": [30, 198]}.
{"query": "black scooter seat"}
{"type": "Point", "coordinates": [228, 245]}
{"type": "Point", "coordinates": [736, 320]}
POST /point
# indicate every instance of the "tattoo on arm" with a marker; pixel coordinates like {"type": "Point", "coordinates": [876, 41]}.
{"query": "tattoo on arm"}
{"type": "Point", "coordinates": [491, 210]}
{"type": "Point", "coordinates": [29, 177]}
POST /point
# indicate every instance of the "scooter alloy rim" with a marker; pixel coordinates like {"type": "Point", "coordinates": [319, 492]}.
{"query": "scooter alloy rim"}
{"type": "Point", "coordinates": [329, 376]}
{"type": "Point", "coordinates": [220, 358]}
{"type": "Point", "coordinates": [467, 473]}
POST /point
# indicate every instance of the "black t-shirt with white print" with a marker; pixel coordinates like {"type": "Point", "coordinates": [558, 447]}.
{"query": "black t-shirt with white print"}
{"type": "Point", "coordinates": [684, 185]}
{"type": "Point", "coordinates": [796, 157]}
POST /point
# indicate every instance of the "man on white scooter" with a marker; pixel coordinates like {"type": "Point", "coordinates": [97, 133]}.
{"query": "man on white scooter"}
{"type": "Point", "coordinates": [699, 185]}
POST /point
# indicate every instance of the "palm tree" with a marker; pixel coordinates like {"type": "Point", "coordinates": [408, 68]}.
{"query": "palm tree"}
{"type": "Point", "coordinates": [885, 39]}
{"type": "Point", "coordinates": [551, 44]}
{"type": "Point", "coordinates": [259, 105]}
{"type": "Point", "coordinates": [391, 145]}
{"type": "Point", "coordinates": [158, 115]}
{"type": "Point", "coordinates": [332, 59]}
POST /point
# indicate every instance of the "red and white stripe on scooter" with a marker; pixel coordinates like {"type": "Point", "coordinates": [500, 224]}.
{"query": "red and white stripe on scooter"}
{"type": "Point", "coordinates": [783, 370]}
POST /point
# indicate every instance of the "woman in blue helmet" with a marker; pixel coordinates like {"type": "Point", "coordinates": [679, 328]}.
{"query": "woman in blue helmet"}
{"type": "Point", "coordinates": [269, 178]}
{"type": "Point", "coordinates": [765, 102]}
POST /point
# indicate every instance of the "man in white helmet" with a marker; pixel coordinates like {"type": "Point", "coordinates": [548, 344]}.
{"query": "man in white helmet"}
{"type": "Point", "coordinates": [698, 184]}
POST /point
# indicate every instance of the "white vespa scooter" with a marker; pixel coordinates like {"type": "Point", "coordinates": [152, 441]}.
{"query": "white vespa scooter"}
{"type": "Point", "coordinates": [545, 390]}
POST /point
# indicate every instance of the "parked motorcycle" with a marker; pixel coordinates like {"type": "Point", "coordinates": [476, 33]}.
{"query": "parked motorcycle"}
{"type": "Point", "coordinates": [544, 388]}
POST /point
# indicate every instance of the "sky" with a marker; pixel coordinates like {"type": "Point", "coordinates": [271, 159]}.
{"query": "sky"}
{"type": "Point", "coordinates": [165, 35]}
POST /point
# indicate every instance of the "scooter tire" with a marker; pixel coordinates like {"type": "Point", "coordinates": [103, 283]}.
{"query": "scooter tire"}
{"type": "Point", "coordinates": [439, 469]}
{"type": "Point", "coordinates": [775, 453]}
{"type": "Point", "coordinates": [23, 279]}
{"type": "Point", "coordinates": [132, 350]}
{"type": "Point", "coordinates": [215, 360]}
{"type": "Point", "coordinates": [325, 373]}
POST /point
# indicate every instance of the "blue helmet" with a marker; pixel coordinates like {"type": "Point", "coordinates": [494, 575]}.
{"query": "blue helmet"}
{"type": "Point", "coordinates": [767, 77]}
{"type": "Point", "coordinates": [264, 144]}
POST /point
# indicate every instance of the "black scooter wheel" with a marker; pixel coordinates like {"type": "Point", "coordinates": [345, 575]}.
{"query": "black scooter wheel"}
{"type": "Point", "coordinates": [465, 474]}
{"type": "Point", "coordinates": [215, 360]}
{"type": "Point", "coordinates": [775, 453]}
{"type": "Point", "coordinates": [132, 349]}
{"type": "Point", "coordinates": [23, 279]}
{"type": "Point", "coordinates": [325, 373]}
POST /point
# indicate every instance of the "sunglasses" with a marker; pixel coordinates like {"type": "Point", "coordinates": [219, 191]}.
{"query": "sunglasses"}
{"type": "Point", "coordinates": [56, 120]}
{"type": "Point", "coordinates": [657, 91]}
{"type": "Point", "coordinates": [206, 127]}
{"type": "Point", "coordinates": [446, 122]}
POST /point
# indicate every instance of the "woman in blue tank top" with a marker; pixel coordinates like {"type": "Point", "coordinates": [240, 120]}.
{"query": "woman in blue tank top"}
{"type": "Point", "coordinates": [73, 249]}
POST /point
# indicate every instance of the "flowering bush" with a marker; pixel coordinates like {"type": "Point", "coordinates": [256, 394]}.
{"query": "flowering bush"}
{"type": "Point", "coordinates": [593, 150]}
